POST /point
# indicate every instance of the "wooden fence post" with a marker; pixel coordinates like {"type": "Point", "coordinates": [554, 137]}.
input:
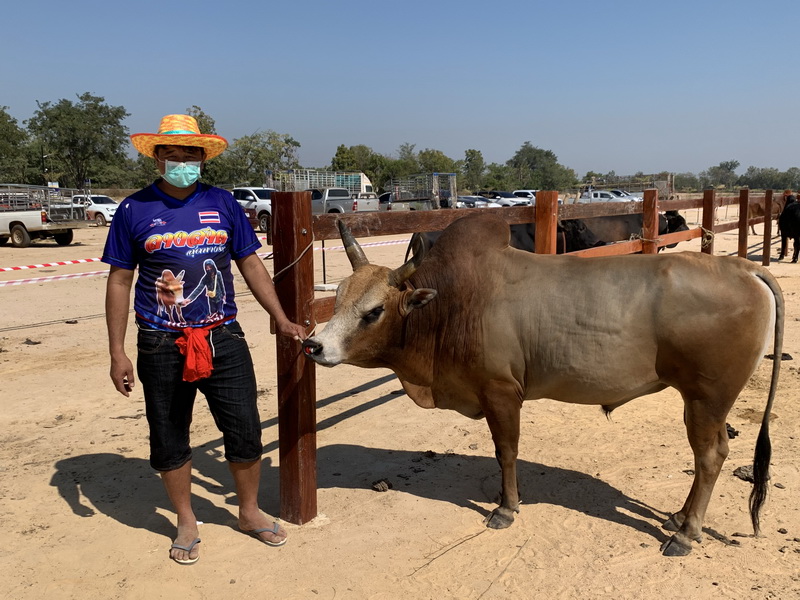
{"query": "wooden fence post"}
{"type": "Point", "coordinates": [744, 204]}
{"type": "Point", "coordinates": [650, 222]}
{"type": "Point", "coordinates": [546, 222]}
{"type": "Point", "coordinates": [767, 247]}
{"type": "Point", "coordinates": [709, 215]}
{"type": "Point", "coordinates": [293, 251]}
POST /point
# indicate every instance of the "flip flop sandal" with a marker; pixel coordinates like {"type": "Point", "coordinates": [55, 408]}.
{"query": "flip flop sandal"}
{"type": "Point", "coordinates": [188, 561]}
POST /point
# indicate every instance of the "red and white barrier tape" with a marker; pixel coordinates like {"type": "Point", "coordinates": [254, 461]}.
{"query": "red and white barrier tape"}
{"type": "Point", "coordinates": [52, 278]}
{"type": "Point", "coordinates": [94, 273]}
{"type": "Point", "coordinates": [60, 263]}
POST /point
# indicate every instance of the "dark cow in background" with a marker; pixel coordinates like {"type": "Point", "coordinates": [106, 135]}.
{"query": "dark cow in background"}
{"type": "Point", "coordinates": [572, 234]}
{"type": "Point", "coordinates": [479, 327]}
{"type": "Point", "coordinates": [618, 228]}
{"type": "Point", "coordinates": [789, 224]}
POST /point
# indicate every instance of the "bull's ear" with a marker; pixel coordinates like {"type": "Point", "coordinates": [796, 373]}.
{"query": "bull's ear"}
{"type": "Point", "coordinates": [416, 299]}
{"type": "Point", "coordinates": [180, 275]}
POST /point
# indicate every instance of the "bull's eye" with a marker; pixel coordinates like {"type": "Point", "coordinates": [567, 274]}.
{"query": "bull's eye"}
{"type": "Point", "coordinates": [373, 315]}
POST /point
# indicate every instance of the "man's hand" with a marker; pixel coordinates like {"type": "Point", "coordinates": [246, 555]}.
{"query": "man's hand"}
{"type": "Point", "coordinates": [292, 330]}
{"type": "Point", "coordinates": [122, 375]}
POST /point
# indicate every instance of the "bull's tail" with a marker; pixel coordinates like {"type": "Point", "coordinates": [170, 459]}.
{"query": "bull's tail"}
{"type": "Point", "coordinates": [763, 452]}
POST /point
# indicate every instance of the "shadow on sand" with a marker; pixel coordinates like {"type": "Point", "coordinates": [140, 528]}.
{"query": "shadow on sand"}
{"type": "Point", "coordinates": [129, 491]}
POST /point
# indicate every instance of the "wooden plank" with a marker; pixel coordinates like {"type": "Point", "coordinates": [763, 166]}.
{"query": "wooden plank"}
{"type": "Point", "coordinates": [294, 284]}
{"type": "Point", "coordinates": [767, 246]}
{"type": "Point", "coordinates": [744, 201]}
{"type": "Point", "coordinates": [323, 309]}
{"type": "Point", "coordinates": [546, 222]}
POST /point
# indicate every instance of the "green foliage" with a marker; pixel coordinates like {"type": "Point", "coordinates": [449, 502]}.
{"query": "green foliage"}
{"type": "Point", "coordinates": [723, 175]}
{"type": "Point", "coordinates": [12, 146]}
{"type": "Point", "coordinates": [473, 169]}
{"type": "Point", "coordinates": [204, 121]}
{"type": "Point", "coordinates": [435, 161]}
{"type": "Point", "coordinates": [537, 169]}
{"type": "Point", "coordinates": [249, 158]}
{"type": "Point", "coordinates": [344, 159]}
{"type": "Point", "coordinates": [80, 138]}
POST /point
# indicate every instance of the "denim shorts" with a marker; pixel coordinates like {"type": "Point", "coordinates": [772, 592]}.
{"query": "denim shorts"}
{"type": "Point", "coordinates": [230, 392]}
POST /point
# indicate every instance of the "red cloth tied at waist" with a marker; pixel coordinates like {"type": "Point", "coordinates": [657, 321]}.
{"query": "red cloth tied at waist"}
{"type": "Point", "coordinates": [195, 347]}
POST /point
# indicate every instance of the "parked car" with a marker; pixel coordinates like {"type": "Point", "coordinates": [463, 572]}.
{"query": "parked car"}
{"type": "Point", "coordinates": [99, 208]}
{"type": "Point", "coordinates": [475, 202]}
{"type": "Point", "coordinates": [505, 198]}
{"type": "Point", "coordinates": [599, 196]}
{"type": "Point", "coordinates": [259, 199]}
{"type": "Point", "coordinates": [529, 194]}
{"type": "Point", "coordinates": [403, 201]}
{"type": "Point", "coordinates": [626, 196]}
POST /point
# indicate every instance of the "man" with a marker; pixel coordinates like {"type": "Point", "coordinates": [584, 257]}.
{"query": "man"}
{"type": "Point", "coordinates": [180, 226]}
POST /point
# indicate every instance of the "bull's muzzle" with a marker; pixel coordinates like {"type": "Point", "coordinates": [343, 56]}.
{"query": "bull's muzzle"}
{"type": "Point", "coordinates": [312, 349]}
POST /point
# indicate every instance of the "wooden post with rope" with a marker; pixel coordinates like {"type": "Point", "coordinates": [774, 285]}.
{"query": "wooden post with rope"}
{"type": "Point", "coordinates": [709, 213]}
{"type": "Point", "coordinates": [650, 222]}
{"type": "Point", "coordinates": [293, 258]}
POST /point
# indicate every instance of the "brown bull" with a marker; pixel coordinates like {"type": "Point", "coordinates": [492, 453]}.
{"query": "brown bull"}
{"type": "Point", "coordinates": [479, 327]}
{"type": "Point", "coordinates": [756, 209]}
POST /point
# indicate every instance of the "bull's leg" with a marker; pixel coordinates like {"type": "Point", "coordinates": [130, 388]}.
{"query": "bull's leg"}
{"type": "Point", "coordinates": [708, 438]}
{"type": "Point", "coordinates": [795, 249]}
{"type": "Point", "coordinates": [501, 404]}
{"type": "Point", "coordinates": [784, 246]}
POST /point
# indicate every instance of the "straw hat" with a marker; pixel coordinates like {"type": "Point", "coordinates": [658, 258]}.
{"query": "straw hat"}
{"type": "Point", "coordinates": [179, 130]}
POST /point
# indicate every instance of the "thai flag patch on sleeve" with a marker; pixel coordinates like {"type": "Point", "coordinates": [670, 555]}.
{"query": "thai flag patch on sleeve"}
{"type": "Point", "coordinates": [209, 216]}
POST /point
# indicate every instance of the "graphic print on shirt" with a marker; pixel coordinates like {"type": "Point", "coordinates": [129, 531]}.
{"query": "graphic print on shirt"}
{"type": "Point", "coordinates": [214, 288]}
{"type": "Point", "coordinates": [169, 295]}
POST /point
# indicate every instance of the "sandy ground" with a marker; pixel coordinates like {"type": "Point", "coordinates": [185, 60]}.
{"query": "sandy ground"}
{"type": "Point", "coordinates": [84, 516]}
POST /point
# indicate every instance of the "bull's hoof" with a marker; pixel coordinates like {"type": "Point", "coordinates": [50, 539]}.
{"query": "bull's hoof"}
{"type": "Point", "coordinates": [675, 546]}
{"type": "Point", "coordinates": [672, 524]}
{"type": "Point", "coordinates": [500, 518]}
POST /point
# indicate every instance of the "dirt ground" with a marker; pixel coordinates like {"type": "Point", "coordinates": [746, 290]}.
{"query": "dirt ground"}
{"type": "Point", "coordinates": [84, 516]}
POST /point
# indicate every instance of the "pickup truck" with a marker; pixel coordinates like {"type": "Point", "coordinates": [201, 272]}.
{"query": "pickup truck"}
{"type": "Point", "coordinates": [339, 200]}
{"type": "Point", "coordinates": [29, 213]}
{"type": "Point", "coordinates": [598, 196]}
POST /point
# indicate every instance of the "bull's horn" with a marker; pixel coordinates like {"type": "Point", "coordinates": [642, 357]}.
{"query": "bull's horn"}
{"type": "Point", "coordinates": [354, 251]}
{"type": "Point", "coordinates": [403, 272]}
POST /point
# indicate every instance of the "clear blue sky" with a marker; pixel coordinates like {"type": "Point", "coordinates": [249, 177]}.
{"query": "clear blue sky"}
{"type": "Point", "coordinates": [618, 85]}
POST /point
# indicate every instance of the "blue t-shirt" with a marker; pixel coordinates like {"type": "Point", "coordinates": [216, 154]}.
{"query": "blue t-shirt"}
{"type": "Point", "coordinates": [183, 250]}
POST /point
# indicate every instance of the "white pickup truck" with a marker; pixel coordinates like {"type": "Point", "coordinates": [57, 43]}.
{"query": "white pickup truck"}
{"type": "Point", "coordinates": [28, 213]}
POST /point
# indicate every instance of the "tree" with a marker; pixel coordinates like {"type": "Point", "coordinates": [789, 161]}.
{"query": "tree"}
{"type": "Point", "coordinates": [435, 161]}
{"type": "Point", "coordinates": [473, 169]}
{"type": "Point", "coordinates": [344, 159]}
{"type": "Point", "coordinates": [204, 121]}
{"type": "Point", "coordinates": [80, 137]}
{"type": "Point", "coordinates": [723, 174]}
{"type": "Point", "coordinates": [250, 157]}
{"type": "Point", "coordinates": [12, 148]}
{"type": "Point", "coordinates": [535, 168]}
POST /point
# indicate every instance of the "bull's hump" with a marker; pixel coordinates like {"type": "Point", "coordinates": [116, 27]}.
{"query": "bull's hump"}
{"type": "Point", "coordinates": [477, 232]}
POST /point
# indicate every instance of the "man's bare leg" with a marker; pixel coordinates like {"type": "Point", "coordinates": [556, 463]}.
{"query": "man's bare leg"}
{"type": "Point", "coordinates": [178, 483]}
{"type": "Point", "coordinates": [247, 476]}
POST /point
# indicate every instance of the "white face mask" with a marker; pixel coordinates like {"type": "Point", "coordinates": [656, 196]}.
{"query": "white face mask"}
{"type": "Point", "coordinates": [181, 174]}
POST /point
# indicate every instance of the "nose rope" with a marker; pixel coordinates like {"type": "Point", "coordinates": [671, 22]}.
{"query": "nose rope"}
{"type": "Point", "coordinates": [280, 273]}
